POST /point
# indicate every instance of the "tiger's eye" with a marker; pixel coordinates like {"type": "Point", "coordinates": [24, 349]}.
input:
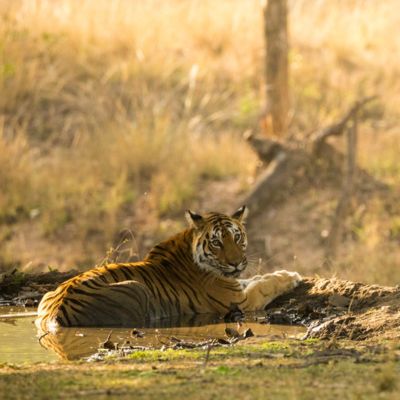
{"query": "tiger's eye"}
{"type": "Point", "coordinates": [216, 243]}
{"type": "Point", "coordinates": [237, 237]}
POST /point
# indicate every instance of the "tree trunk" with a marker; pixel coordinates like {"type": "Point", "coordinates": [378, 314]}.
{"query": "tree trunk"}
{"type": "Point", "coordinates": [277, 91]}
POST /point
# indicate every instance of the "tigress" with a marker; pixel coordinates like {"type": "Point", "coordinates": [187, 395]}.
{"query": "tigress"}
{"type": "Point", "coordinates": [193, 272]}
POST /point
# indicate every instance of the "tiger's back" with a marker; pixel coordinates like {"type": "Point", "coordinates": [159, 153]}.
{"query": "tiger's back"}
{"type": "Point", "coordinates": [87, 299]}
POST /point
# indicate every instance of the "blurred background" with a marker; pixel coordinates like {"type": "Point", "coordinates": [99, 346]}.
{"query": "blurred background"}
{"type": "Point", "coordinates": [118, 115]}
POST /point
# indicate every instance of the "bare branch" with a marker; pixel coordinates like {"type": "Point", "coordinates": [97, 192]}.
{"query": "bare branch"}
{"type": "Point", "coordinates": [337, 129]}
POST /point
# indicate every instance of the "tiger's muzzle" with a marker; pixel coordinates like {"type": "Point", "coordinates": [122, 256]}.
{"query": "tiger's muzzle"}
{"type": "Point", "coordinates": [235, 269]}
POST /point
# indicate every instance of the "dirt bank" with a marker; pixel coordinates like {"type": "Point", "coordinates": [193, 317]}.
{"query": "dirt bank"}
{"type": "Point", "coordinates": [336, 309]}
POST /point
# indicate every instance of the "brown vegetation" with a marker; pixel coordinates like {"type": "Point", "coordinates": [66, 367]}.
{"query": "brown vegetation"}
{"type": "Point", "coordinates": [123, 119]}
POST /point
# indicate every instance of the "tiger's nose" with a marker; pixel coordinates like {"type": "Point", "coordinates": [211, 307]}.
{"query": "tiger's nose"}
{"type": "Point", "coordinates": [234, 263]}
{"type": "Point", "coordinates": [237, 264]}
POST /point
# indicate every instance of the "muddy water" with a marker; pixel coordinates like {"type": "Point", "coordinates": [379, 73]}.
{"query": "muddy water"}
{"type": "Point", "coordinates": [19, 342]}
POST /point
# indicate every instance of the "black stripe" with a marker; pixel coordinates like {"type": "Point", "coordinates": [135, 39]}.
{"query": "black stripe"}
{"type": "Point", "coordinates": [114, 275]}
{"type": "Point", "coordinates": [162, 252]}
{"type": "Point", "coordinates": [74, 309]}
{"type": "Point", "coordinates": [191, 304]}
{"type": "Point", "coordinates": [113, 305]}
{"type": "Point", "coordinates": [64, 314]}
{"type": "Point", "coordinates": [231, 287]}
{"type": "Point", "coordinates": [166, 279]}
{"type": "Point", "coordinates": [128, 275]}
{"type": "Point", "coordinates": [165, 290]}
{"type": "Point", "coordinates": [92, 284]}
{"type": "Point", "coordinates": [217, 301]}
{"type": "Point", "coordinates": [193, 292]}
{"type": "Point", "coordinates": [129, 311]}
{"type": "Point", "coordinates": [148, 281]}
{"type": "Point", "coordinates": [180, 274]}
{"type": "Point", "coordinates": [83, 292]}
{"type": "Point", "coordinates": [129, 293]}
{"type": "Point", "coordinates": [73, 301]}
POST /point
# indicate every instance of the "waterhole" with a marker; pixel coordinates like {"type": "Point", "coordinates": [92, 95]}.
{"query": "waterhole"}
{"type": "Point", "coordinates": [20, 343]}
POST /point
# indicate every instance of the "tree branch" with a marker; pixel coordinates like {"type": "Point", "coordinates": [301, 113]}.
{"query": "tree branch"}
{"type": "Point", "coordinates": [337, 129]}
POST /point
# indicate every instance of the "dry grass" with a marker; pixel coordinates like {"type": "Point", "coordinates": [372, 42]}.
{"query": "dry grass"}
{"type": "Point", "coordinates": [349, 50]}
{"type": "Point", "coordinates": [104, 101]}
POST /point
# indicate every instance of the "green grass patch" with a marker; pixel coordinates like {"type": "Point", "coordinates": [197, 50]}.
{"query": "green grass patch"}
{"type": "Point", "coordinates": [163, 355]}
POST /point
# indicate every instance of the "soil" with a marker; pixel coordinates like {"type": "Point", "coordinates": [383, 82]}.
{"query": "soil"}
{"type": "Point", "coordinates": [335, 309]}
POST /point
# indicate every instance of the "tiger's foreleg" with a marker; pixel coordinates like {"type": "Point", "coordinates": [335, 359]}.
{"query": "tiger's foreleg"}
{"type": "Point", "coordinates": [262, 289]}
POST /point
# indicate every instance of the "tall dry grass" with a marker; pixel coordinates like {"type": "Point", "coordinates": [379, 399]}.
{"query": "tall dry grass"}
{"type": "Point", "coordinates": [102, 101]}
{"type": "Point", "coordinates": [117, 101]}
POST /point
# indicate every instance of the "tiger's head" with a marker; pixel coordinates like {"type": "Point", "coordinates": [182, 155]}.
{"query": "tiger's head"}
{"type": "Point", "coordinates": [219, 242]}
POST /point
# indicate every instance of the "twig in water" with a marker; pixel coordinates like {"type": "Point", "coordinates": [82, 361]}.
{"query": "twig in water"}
{"type": "Point", "coordinates": [41, 337]}
{"type": "Point", "coordinates": [107, 344]}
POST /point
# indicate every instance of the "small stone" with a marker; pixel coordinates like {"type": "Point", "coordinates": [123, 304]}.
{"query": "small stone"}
{"type": "Point", "coordinates": [136, 333]}
{"type": "Point", "coordinates": [248, 333]}
{"type": "Point", "coordinates": [337, 300]}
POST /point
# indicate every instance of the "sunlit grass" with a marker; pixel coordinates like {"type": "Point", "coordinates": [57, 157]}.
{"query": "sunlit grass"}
{"type": "Point", "coordinates": [105, 102]}
{"type": "Point", "coordinates": [104, 173]}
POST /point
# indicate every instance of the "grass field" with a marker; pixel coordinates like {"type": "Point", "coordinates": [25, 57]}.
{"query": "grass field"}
{"type": "Point", "coordinates": [278, 370]}
{"type": "Point", "coordinates": [121, 113]}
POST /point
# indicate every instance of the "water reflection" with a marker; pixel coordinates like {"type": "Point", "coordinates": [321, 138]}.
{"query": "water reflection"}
{"type": "Point", "coordinates": [75, 343]}
{"type": "Point", "coordinates": [19, 339]}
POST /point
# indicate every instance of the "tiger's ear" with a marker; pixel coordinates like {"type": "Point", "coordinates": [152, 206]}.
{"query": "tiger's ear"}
{"type": "Point", "coordinates": [194, 219]}
{"type": "Point", "coordinates": [241, 214]}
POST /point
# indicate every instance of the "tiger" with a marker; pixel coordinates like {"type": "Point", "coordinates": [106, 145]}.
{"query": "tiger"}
{"type": "Point", "coordinates": [193, 272]}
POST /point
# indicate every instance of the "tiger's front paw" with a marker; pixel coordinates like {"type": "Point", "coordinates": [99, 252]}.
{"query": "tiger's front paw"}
{"type": "Point", "coordinates": [287, 279]}
{"type": "Point", "coordinates": [263, 290]}
{"type": "Point", "coordinates": [294, 277]}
